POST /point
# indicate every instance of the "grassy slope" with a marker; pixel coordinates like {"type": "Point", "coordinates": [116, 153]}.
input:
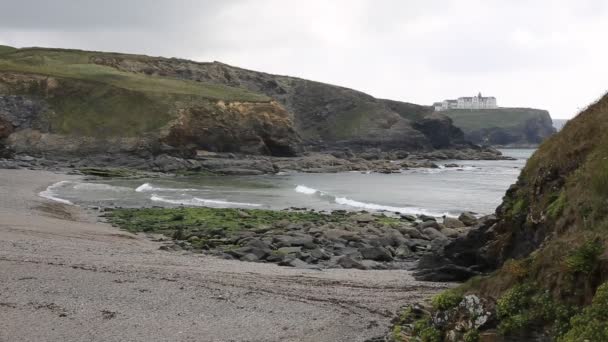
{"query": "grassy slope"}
{"type": "Point", "coordinates": [472, 120]}
{"type": "Point", "coordinates": [97, 100]}
{"type": "Point", "coordinates": [562, 193]}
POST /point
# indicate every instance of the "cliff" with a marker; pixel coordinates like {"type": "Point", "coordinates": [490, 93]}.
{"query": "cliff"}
{"type": "Point", "coordinates": [503, 126]}
{"type": "Point", "coordinates": [73, 101]}
{"type": "Point", "coordinates": [544, 254]}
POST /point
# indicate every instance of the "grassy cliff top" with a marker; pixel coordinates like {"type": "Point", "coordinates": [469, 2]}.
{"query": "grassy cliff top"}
{"type": "Point", "coordinates": [77, 64]}
{"type": "Point", "coordinates": [472, 120]}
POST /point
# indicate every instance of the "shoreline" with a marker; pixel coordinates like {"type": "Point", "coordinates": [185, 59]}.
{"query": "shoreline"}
{"type": "Point", "coordinates": [108, 279]}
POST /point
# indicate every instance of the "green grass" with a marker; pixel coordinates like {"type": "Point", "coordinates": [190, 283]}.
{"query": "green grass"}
{"type": "Point", "coordinates": [6, 49]}
{"type": "Point", "coordinates": [473, 120]}
{"type": "Point", "coordinates": [100, 101]}
{"type": "Point", "coordinates": [41, 65]}
{"type": "Point", "coordinates": [592, 323]}
{"type": "Point", "coordinates": [446, 300]}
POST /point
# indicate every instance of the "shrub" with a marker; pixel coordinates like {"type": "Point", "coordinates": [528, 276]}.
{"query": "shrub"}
{"type": "Point", "coordinates": [471, 336]}
{"type": "Point", "coordinates": [592, 323]}
{"type": "Point", "coordinates": [584, 258]}
{"type": "Point", "coordinates": [523, 306]}
{"type": "Point", "coordinates": [446, 300]}
{"type": "Point", "coordinates": [425, 331]}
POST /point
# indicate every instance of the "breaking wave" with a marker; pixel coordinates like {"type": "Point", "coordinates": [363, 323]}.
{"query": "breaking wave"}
{"type": "Point", "coordinates": [200, 202]}
{"type": "Point", "coordinates": [369, 206]}
{"type": "Point", "coordinates": [306, 190]}
{"type": "Point", "coordinates": [50, 193]}
{"type": "Point", "coordinates": [146, 187]}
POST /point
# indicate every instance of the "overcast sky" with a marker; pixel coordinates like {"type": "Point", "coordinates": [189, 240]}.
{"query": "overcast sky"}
{"type": "Point", "coordinates": [544, 54]}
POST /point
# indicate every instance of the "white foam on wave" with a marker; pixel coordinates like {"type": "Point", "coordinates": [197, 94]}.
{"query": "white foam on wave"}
{"type": "Point", "coordinates": [147, 187]}
{"type": "Point", "coordinates": [50, 193]}
{"type": "Point", "coordinates": [200, 202]}
{"type": "Point", "coordinates": [380, 207]}
{"type": "Point", "coordinates": [100, 187]}
{"type": "Point", "coordinates": [306, 190]}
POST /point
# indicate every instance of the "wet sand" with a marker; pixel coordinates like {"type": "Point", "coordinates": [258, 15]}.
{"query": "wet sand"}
{"type": "Point", "coordinates": [66, 277]}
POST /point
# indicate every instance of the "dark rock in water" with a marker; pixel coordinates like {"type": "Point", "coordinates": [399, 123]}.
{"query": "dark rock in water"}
{"type": "Point", "coordinates": [468, 218]}
{"type": "Point", "coordinates": [426, 218]}
{"type": "Point", "coordinates": [451, 165]}
{"type": "Point", "coordinates": [410, 218]}
{"type": "Point", "coordinates": [376, 253]}
{"type": "Point", "coordinates": [348, 262]}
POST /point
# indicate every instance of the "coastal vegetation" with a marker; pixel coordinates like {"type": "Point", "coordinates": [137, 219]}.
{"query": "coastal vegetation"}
{"type": "Point", "coordinates": [546, 270]}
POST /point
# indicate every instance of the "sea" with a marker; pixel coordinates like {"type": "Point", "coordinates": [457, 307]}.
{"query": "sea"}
{"type": "Point", "coordinates": [474, 185]}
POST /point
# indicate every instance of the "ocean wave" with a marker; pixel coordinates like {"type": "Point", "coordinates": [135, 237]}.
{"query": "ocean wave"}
{"type": "Point", "coordinates": [100, 187]}
{"type": "Point", "coordinates": [50, 193]}
{"type": "Point", "coordinates": [306, 190]}
{"type": "Point", "coordinates": [147, 187]}
{"type": "Point", "coordinates": [380, 207]}
{"type": "Point", "coordinates": [200, 202]}
{"type": "Point", "coordinates": [364, 205]}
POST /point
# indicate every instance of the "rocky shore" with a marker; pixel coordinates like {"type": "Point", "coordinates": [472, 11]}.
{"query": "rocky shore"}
{"type": "Point", "coordinates": [298, 238]}
{"type": "Point", "coordinates": [371, 160]}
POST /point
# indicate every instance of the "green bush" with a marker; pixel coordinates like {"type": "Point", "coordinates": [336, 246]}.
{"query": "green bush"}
{"type": "Point", "coordinates": [446, 300]}
{"type": "Point", "coordinates": [471, 336]}
{"type": "Point", "coordinates": [425, 331]}
{"type": "Point", "coordinates": [523, 306]}
{"type": "Point", "coordinates": [584, 258]}
{"type": "Point", "coordinates": [592, 323]}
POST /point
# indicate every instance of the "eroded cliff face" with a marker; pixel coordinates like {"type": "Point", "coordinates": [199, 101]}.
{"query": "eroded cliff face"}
{"type": "Point", "coordinates": [54, 116]}
{"type": "Point", "coordinates": [325, 116]}
{"type": "Point", "coordinates": [252, 128]}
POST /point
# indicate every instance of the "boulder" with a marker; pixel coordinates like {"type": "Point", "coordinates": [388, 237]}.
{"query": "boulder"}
{"type": "Point", "coordinates": [468, 218]}
{"type": "Point", "coordinates": [411, 232]}
{"type": "Point", "coordinates": [434, 234]}
{"type": "Point", "coordinates": [430, 224]}
{"type": "Point", "coordinates": [376, 254]}
{"type": "Point", "coordinates": [451, 233]}
{"type": "Point", "coordinates": [410, 218]}
{"type": "Point", "coordinates": [450, 222]}
{"type": "Point", "coordinates": [425, 218]}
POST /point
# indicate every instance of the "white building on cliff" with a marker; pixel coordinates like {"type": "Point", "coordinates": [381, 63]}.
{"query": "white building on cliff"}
{"type": "Point", "coordinates": [475, 102]}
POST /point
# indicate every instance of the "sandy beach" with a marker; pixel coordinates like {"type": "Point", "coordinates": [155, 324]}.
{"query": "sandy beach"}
{"type": "Point", "coordinates": [66, 277]}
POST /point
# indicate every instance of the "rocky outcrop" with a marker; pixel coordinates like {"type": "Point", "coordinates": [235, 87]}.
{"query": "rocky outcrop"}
{"type": "Point", "coordinates": [504, 126]}
{"type": "Point", "coordinates": [325, 116]}
{"type": "Point", "coordinates": [37, 117]}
